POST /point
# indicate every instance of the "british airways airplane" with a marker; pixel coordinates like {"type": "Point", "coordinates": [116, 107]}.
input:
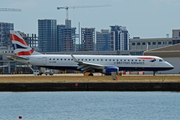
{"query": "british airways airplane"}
{"type": "Point", "coordinates": [85, 63]}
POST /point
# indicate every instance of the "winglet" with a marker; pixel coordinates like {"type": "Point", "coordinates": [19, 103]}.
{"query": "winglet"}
{"type": "Point", "coordinates": [75, 60]}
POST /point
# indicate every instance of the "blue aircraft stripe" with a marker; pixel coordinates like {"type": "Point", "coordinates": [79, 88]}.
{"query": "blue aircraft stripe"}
{"type": "Point", "coordinates": [16, 46]}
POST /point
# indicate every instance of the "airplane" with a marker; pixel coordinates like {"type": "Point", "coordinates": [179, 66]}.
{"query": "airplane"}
{"type": "Point", "coordinates": [104, 64]}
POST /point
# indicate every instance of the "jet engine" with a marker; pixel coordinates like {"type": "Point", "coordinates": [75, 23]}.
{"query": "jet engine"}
{"type": "Point", "coordinates": [108, 70]}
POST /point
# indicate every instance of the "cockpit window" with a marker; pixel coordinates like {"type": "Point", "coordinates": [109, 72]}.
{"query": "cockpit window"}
{"type": "Point", "coordinates": [160, 60]}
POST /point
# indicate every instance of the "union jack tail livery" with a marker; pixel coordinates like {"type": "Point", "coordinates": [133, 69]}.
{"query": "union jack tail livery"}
{"type": "Point", "coordinates": [21, 48]}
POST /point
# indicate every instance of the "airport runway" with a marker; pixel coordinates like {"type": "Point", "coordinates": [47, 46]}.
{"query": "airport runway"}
{"type": "Point", "coordinates": [80, 74]}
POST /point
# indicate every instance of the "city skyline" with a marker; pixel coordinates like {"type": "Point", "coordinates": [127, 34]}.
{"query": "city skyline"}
{"type": "Point", "coordinates": [145, 19]}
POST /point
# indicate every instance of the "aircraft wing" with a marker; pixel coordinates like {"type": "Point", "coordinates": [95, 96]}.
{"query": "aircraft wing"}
{"type": "Point", "coordinates": [85, 66]}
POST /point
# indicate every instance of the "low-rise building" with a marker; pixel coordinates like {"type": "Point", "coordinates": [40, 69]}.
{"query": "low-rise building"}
{"type": "Point", "coordinates": [138, 43]}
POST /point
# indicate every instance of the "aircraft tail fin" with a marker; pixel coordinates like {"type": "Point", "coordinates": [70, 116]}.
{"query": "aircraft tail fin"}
{"type": "Point", "coordinates": [21, 48]}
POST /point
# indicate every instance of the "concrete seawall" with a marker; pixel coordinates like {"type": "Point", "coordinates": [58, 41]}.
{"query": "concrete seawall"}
{"type": "Point", "coordinates": [168, 86]}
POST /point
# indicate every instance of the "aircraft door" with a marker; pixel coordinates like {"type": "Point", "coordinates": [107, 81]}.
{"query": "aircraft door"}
{"type": "Point", "coordinates": [153, 62]}
{"type": "Point", "coordinates": [44, 60]}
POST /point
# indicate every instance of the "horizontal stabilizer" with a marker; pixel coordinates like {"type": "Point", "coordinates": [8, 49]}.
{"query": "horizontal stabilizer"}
{"type": "Point", "coordinates": [12, 57]}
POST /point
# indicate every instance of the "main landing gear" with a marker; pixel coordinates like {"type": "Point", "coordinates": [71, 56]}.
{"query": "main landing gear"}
{"type": "Point", "coordinates": [91, 74]}
{"type": "Point", "coordinates": [154, 73]}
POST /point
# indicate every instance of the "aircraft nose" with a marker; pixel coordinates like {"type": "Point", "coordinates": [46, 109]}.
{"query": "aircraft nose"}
{"type": "Point", "coordinates": [170, 67]}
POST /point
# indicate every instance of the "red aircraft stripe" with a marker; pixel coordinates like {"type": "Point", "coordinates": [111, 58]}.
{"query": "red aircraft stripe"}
{"type": "Point", "coordinates": [146, 58]}
{"type": "Point", "coordinates": [25, 52]}
{"type": "Point", "coordinates": [16, 38]}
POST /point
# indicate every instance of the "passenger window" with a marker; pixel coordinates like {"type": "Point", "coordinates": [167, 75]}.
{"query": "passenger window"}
{"type": "Point", "coordinates": [109, 59]}
{"type": "Point", "coordinates": [97, 59]}
{"type": "Point", "coordinates": [61, 59]}
{"type": "Point", "coordinates": [69, 59]}
{"type": "Point", "coordinates": [105, 59]}
{"type": "Point", "coordinates": [54, 59]}
{"type": "Point", "coordinates": [131, 60]}
{"type": "Point", "coordinates": [50, 59]}
{"type": "Point", "coordinates": [139, 60]}
{"type": "Point", "coordinates": [117, 59]}
{"type": "Point", "coordinates": [89, 59]}
{"type": "Point", "coordinates": [101, 59]}
{"type": "Point", "coordinates": [64, 59]}
{"type": "Point", "coordinates": [57, 59]}
{"type": "Point", "coordinates": [135, 60]}
{"type": "Point", "coordinates": [82, 59]}
{"type": "Point", "coordinates": [124, 60]}
{"type": "Point", "coordinates": [128, 60]}
{"type": "Point", "coordinates": [93, 59]}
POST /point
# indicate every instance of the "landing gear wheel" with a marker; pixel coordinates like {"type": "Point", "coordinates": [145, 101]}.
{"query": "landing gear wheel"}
{"type": "Point", "coordinates": [154, 73]}
{"type": "Point", "coordinates": [91, 74]}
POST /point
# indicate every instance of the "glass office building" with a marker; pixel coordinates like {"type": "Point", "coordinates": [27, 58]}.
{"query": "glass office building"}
{"type": "Point", "coordinates": [47, 35]}
{"type": "Point", "coordinates": [87, 39]}
{"type": "Point", "coordinates": [5, 39]}
{"type": "Point", "coordinates": [104, 41]}
{"type": "Point", "coordinates": [66, 38]}
{"type": "Point", "coordinates": [120, 36]}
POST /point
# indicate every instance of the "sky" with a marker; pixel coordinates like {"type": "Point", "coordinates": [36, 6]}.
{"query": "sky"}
{"type": "Point", "coordinates": [142, 18]}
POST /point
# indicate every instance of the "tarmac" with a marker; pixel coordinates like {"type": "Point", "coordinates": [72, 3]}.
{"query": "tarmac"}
{"type": "Point", "coordinates": [80, 74]}
{"type": "Point", "coordinates": [21, 85]}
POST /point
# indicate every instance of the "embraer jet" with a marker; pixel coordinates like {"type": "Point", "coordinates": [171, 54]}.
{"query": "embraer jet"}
{"type": "Point", "coordinates": [85, 63]}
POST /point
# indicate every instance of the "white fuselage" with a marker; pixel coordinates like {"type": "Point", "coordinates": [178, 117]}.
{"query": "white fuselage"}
{"type": "Point", "coordinates": [124, 63]}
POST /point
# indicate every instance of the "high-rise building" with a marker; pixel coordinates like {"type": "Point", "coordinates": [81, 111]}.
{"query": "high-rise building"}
{"type": "Point", "coordinates": [47, 35]}
{"type": "Point", "coordinates": [87, 39]}
{"type": "Point", "coordinates": [120, 36]}
{"type": "Point", "coordinates": [66, 38]}
{"type": "Point", "coordinates": [5, 39]}
{"type": "Point", "coordinates": [104, 41]}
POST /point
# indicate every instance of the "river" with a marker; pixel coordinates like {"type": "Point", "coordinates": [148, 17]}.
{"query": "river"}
{"type": "Point", "coordinates": [90, 105]}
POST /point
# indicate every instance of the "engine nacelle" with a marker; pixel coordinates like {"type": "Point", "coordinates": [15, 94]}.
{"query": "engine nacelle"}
{"type": "Point", "coordinates": [108, 70]}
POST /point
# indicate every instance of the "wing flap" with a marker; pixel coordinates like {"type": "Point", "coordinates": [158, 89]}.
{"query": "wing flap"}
{"type": "Point", "coordinates": [84, 66]}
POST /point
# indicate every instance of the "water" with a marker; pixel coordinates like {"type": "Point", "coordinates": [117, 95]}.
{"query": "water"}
{"type": "Point", "coordinates": [90, 105]}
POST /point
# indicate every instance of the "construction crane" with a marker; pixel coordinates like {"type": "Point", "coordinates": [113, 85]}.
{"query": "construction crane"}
{"type": "Point", "coordinates": [10, 9]}
{"type": "Point", "coordinates": [73, 7]}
